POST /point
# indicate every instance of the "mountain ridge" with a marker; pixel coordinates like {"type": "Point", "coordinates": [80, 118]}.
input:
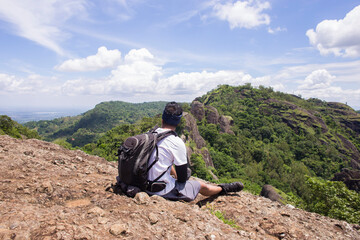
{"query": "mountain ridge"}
{"type": "Point", "coordinates": [90, 125]}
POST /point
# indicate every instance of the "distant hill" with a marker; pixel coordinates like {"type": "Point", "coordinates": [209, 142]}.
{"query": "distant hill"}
{"type": "Point", "coordinates": [89, 126]}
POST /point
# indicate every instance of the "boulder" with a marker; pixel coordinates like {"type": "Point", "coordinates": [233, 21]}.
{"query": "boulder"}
{"type": "Point", "coordinates": [225, 123]}
{"type": "Point", "coordinates": [197, 109]}
{"type": "Point", "coordinates": [212, 115]}
{"type": "Point", "coordinates": [351, 178]}
{"type": "Point", "coordinates": [269, 192]}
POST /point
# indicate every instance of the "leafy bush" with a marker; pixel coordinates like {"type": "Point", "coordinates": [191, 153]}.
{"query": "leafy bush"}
{"type": "Point", "coordinates": [199, 168]}
{"type": "Point", "coordinates": [333, 199]}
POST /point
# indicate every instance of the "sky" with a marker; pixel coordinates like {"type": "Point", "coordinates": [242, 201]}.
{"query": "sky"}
{"type": "Point", "coordinates": [78, 53]}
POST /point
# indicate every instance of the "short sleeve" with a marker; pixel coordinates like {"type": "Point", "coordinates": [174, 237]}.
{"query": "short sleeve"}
{"type": "Point", "coordinates": [179, 151]}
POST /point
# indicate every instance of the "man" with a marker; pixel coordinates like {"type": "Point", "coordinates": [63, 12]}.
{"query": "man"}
{"type": "Point", "coordinates": [172, 151]}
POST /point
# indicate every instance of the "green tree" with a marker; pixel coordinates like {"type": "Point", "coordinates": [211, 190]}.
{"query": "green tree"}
{"type": "Point", "coordinates": [333, 199]}
{"type": "Point", "coordinates": [14, 129]}
{"type": "Point", "coordinates": [198, 167]}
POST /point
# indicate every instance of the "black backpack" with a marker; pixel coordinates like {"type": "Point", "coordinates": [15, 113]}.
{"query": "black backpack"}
{"type": "Point", "coordinates": [133, 158]}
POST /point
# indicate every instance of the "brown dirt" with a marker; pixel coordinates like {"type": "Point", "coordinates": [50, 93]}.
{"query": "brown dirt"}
{"type": "Point", "coordinates": [48, 192]}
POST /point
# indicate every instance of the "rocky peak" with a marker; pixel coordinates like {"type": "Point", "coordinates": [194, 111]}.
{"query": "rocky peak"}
{"type": "Point", "coordinates": [201, 111]}
{"type": "Point", "coordinates": [197, 110]}
{"type": "Point", "coordinates": [48, 192]}
{"type": "Point", "coordinates": [212, 115]}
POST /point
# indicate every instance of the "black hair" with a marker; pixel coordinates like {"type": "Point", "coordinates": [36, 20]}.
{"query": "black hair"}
{"type": "Point", "coordinates": [172, 113]}
{"type": "Point", "coordinates": [173, 108]}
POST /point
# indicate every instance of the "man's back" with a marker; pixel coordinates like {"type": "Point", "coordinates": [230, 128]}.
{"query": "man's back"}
{"type": "Point", "coordinates": [171, 150]}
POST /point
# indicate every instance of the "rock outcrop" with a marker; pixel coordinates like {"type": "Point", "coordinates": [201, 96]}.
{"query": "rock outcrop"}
{"type": "Point", "coordinates": [225, 123]}
{"type": "Point", "coordinates": [201, 111]}
{"type": "Point", "coordinates": [269, 192]}
{"type": "Point", "coordinates": [354, 152]}
{"type": "Point", "coordinates": [194, 135]}
{"type": "Point", "coordinates": [192, 129]}
{"type": "Point", "coordinates": [48, 192]}
{"type": "Point", "coordinates": [197, 110]}
{"type": "Point", "coordinates": [351, 178]}
{"type": "Point", "coordinates": [212, 115]}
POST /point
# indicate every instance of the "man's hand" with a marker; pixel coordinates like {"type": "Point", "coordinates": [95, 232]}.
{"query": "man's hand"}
{"type": "Point", "coordinates": [173, 172]}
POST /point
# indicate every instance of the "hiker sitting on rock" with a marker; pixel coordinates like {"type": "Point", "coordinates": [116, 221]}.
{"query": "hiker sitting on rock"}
{"type": "Point", "coordinates": [172, 151]}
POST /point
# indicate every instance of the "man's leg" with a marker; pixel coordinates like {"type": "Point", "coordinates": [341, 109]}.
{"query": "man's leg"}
{"type": "Point", "coordinates": [209, 190]}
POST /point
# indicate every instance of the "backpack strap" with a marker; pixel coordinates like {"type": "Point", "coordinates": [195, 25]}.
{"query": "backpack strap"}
{"type": "Point", "coordinates": [156, 179]}
{"type": "Point", "coordinates": [159, 136]}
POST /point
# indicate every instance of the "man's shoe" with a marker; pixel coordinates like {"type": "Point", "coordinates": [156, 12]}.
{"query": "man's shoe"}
{"type": "Point", "coordinates": [231, 187]}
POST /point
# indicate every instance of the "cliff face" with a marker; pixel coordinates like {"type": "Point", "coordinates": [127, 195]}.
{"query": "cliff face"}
{"type": "Point", "coordinates": [48, 192]}
{"type": "Point", "coordinates": [199, 112]}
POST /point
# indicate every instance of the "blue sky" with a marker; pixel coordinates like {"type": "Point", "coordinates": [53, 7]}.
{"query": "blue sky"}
{"type": "Point", "coordinates": [77, 53]}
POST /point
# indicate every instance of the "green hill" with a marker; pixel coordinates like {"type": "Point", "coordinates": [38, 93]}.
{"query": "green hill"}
{"type": "Point", "coordinates": [91, 125]}
{"type": "Point", "coordinates": [14, 129]}
{"type": "Point", "coordinates": [294, 144]}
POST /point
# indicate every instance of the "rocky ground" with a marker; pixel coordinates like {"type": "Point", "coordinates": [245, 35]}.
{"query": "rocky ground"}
{"type": "Point", "coordinates": [48, 192]}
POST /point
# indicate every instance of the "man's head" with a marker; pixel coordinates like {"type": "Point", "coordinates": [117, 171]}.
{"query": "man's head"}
{"type": "Point", "coordinates": [172, 114]}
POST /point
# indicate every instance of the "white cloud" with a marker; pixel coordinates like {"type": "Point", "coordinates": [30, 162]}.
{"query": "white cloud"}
{"type": "Point", "coordinates": [346, 72]}
{"type": "Point", "coordinates": [103, 59]}
{"type": "Point", "coordinates": [41, 21]}
{"type": "Point", "coordinates": [319, 84]}
{"type": "Point", "coordinates": [8, 83]}
{"type": "Point", "coordinates": [276, 30]}
{"type": "Point", "coordinates": [339, 37]}
{"type": "Point", "coordinates": [141, 73]}
{"type": "Point", "coordinates": [319, 79]}
{"type": "Point", "coordinates": [243, 14]}
{"type": "Point", "coordinates": [12, 84]}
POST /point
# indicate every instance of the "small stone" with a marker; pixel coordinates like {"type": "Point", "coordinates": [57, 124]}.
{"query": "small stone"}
{"type": "Point", "coordinates": [285, 214]}
{"type": "Point", "coordinates": [118, 229]}
{"type": "Point", "coordinates": [29, 153]}
{"type": "Point", "coordinates": [60, 227]}
{"type": "Point", "coordinates": [157, 198]}
{"type": "Point", "coordinates": [22, 236]}
{"type": "Point", "coordinates": [282, 235]}
{"type": "Point", "coordinates": [142, 198]}
{"type": "Point", "coordinates": [6, 234]}
{"type": "Point", "coordinates": [46, 187]}
{"type": "Point", "coordinates": [211, 236]}
{"type": "Point", "coordinates": [97, 211]}
{"type": "Point", "coordinates": [13, 226]}
{"type": "Point", "coordinates": [153, 218]}
{"type": "Point", "coordinates": [102, 220]}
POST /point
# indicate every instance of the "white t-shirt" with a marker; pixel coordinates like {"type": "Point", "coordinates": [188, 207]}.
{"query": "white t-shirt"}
{"type": "Point", "coordinates": [172, 150]}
